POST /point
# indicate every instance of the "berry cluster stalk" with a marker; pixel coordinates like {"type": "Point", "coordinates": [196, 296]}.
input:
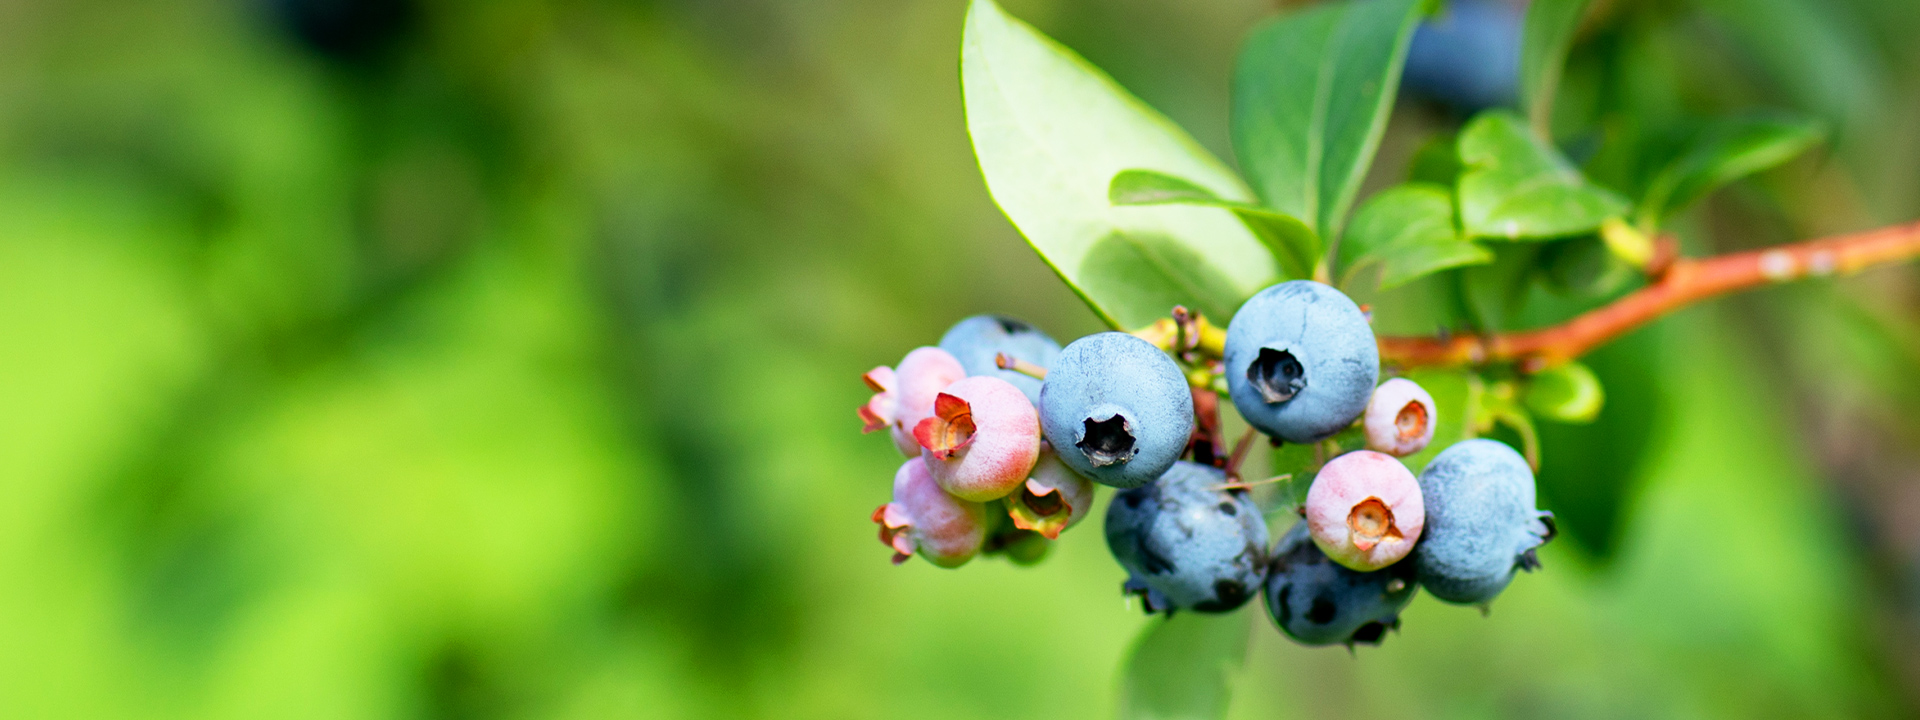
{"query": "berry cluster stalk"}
{"type": "Point", "coordinates": [1683, 283]}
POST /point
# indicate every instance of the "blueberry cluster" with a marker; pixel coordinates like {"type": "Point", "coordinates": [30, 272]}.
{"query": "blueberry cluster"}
{"type": "Point", "coordinates": [1007, 435]}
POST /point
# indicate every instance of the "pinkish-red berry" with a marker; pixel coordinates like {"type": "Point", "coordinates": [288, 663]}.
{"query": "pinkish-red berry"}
{"type": "Point", "coordinates": [903, 396]}
{"type": "Point", "coordinates": [1400, 418]}
{"type": "Point", "coordinates": [1053, 498]}
{"type": "Point", "coordinates": [924, 520]}
{"type": "Point", "coordinates": [982, 440]}
{"type": "Point", "coordinates": [1365, 511]}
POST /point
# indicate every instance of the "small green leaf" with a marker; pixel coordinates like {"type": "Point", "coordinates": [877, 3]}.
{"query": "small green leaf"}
{"type": "Point", "coordinates": [1051, 130]}
{"type": "Point", "coordinates": [1437, 161]}
{"type": "Point", "coordinates": [1408, 231]}
{"type": "Point", "coordinates": [1311, 96]}
{"type": "Point", "coordinates": [1570, 393]}
{"type": "Point", "coordinates": [1518, 187]}
{"type": "Point", "coordinates": [1181, 667]}
{"type": "Point", "coordinates": [1293, 245]}
{"type": "Point", "coordinates": [1722, 153]}
{"type": "Point", "coordinates": [1544, 41]}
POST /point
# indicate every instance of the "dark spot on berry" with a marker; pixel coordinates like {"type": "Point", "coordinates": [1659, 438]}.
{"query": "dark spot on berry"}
{"type": "Point", "coordinates": [1133, 499]}
{"type": "Point", "coordinates": [1277, 375]}
{"type": "Point", "coordinates": [1323, 610]}
{"type": "Point", "coordinates": [1012, 326]}
{"type": "Point", "coordinates": [1369, 633]}
{"type": "Point", "coordinates": [1227, 595]}
{"type": "Point", "coordinates": [1286, 610]}
{"type": "Point", "coordinates": [1107, 441]}
{"type": "Point", "coordinates": [1229, 509]}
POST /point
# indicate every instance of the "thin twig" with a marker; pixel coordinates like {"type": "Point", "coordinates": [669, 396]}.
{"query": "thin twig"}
{"type": "Point", "coordinates": [1685, 282]}
{"type": "Point", "coordinates": [1009, 362]}
{"type": "Point", "coordinates": [1240, 448]}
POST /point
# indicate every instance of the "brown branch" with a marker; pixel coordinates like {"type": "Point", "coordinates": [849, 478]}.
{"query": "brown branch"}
{"type": "Point", "coordinates": [1683, 283]}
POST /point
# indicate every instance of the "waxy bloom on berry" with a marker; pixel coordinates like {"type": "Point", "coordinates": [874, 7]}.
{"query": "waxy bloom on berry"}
{"type": "Point", "coordinates": [903, 396]}
{"type": "Point", "coordinates": [1053, 498]}
{"type": "Point", "coordinates": [1365, 510]}
{"type": "Point", "coordinates": [982, 439]}
{"type": "Point", "coordinates": [922, 519]}
{"type": "Point", "coordinates": [1400, 418]}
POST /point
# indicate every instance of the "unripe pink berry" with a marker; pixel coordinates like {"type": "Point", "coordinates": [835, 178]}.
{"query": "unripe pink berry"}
{"type": "Point", "coordinates": [1400, 418]}
{"type": "Point", "coordinates": [903, 396]}
{"type": "Point", "coordinates": [1365, 511]}
{"type": "Point", "coordinates": [923, 519]}
{"type": "Point", "coordinates": [982, 439]}
{"type": "Point", "coordinates": [1053, 498]}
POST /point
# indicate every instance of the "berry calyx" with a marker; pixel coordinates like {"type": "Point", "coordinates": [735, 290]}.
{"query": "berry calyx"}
{"type": "Point", "coordinates": [1053, 499]}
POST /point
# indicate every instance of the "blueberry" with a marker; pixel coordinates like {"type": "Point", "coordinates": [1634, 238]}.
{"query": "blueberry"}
{"type": "Point", "coordinates": [1188, 543]}
{"type": "Point", "coordinates": [976, 340]}
{"type": "Point", "coordinates": [903, 396]}
{"type": "Point", "coordinates": [1116, 409]}
{"type": "Point", "coordinates": [1468, 56]}
{"type": "Point", "coordinates": [1053, 499]}
{"type": "Point", "coordinates": [1316, 601]}
{"type": "Point", "coordinates": [1400, 418]}
{"type": "Point", "coordinates": [1481, 522]}
{"type": "Point", "coordinates": [1301, 361]}
{"type": "Point", "coordinates": [923, 520]}
{"type": "Point", "coordinates": [1364, 510]}
{"type": "Point", "coordinates": [982, 440]}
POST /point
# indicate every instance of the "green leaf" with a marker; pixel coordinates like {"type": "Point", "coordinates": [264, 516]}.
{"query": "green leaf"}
{"type": "Point", "coordinates": [1722, 153]}
{"type": "Point", "coordinates": [1544, 41]}
{"type": "Point", "coordinates": [1311, 96]}
{"type": "Point", "coordinates": [1181, 667]}
{"type": "Point", "coordinates": [1570, 393]}
{"type": "Point", "coordinates": [1408, 231]}
{"type": "Point", "coordinates": [1293, 245]}
{"type": "Point", "coordinates": [1051, 130]}
{"type": "Point", "coordinates": [1517, 187]}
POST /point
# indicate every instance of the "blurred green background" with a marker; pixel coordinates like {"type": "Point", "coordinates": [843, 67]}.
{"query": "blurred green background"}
{"type": "Point", "coordinates": [498, 359]}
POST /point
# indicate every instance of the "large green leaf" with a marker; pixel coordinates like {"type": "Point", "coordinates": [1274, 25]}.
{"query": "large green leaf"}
{"type": "Point", "coordinates": [1311, 98]}
{"type": "Point", "coordinates": [1051, 131]}
{"type": "Point", "coordinates": [1408, 231]}
{"type": "Point", "coordinates": [1518, 187]}
{"type": "Point", "coordinates": [1722, 153]}
{"type": "Point", "coordinates": [1181, 667]}
{"type": "Point", "coordinates": [1293, 244]}
{"type": "Point", "coordinates": [1544, 41]}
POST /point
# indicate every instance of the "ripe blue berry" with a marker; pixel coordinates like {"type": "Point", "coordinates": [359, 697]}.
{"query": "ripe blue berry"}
{"type": "Point", "coordinates": [1116, 409]}
{"type": "Point", "coordinates": [1187, 542]}
{"type": "Point", "coordinates": [1467, 56]}
{"type": "Point", "coordinates": [1481, 522]}
{"type": "Point", "coordinates": [1316, 601]}
{"type": "Point", "coordinates": [976, 340]}
{"type": "Point", "coordinates": [1301, 361]}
